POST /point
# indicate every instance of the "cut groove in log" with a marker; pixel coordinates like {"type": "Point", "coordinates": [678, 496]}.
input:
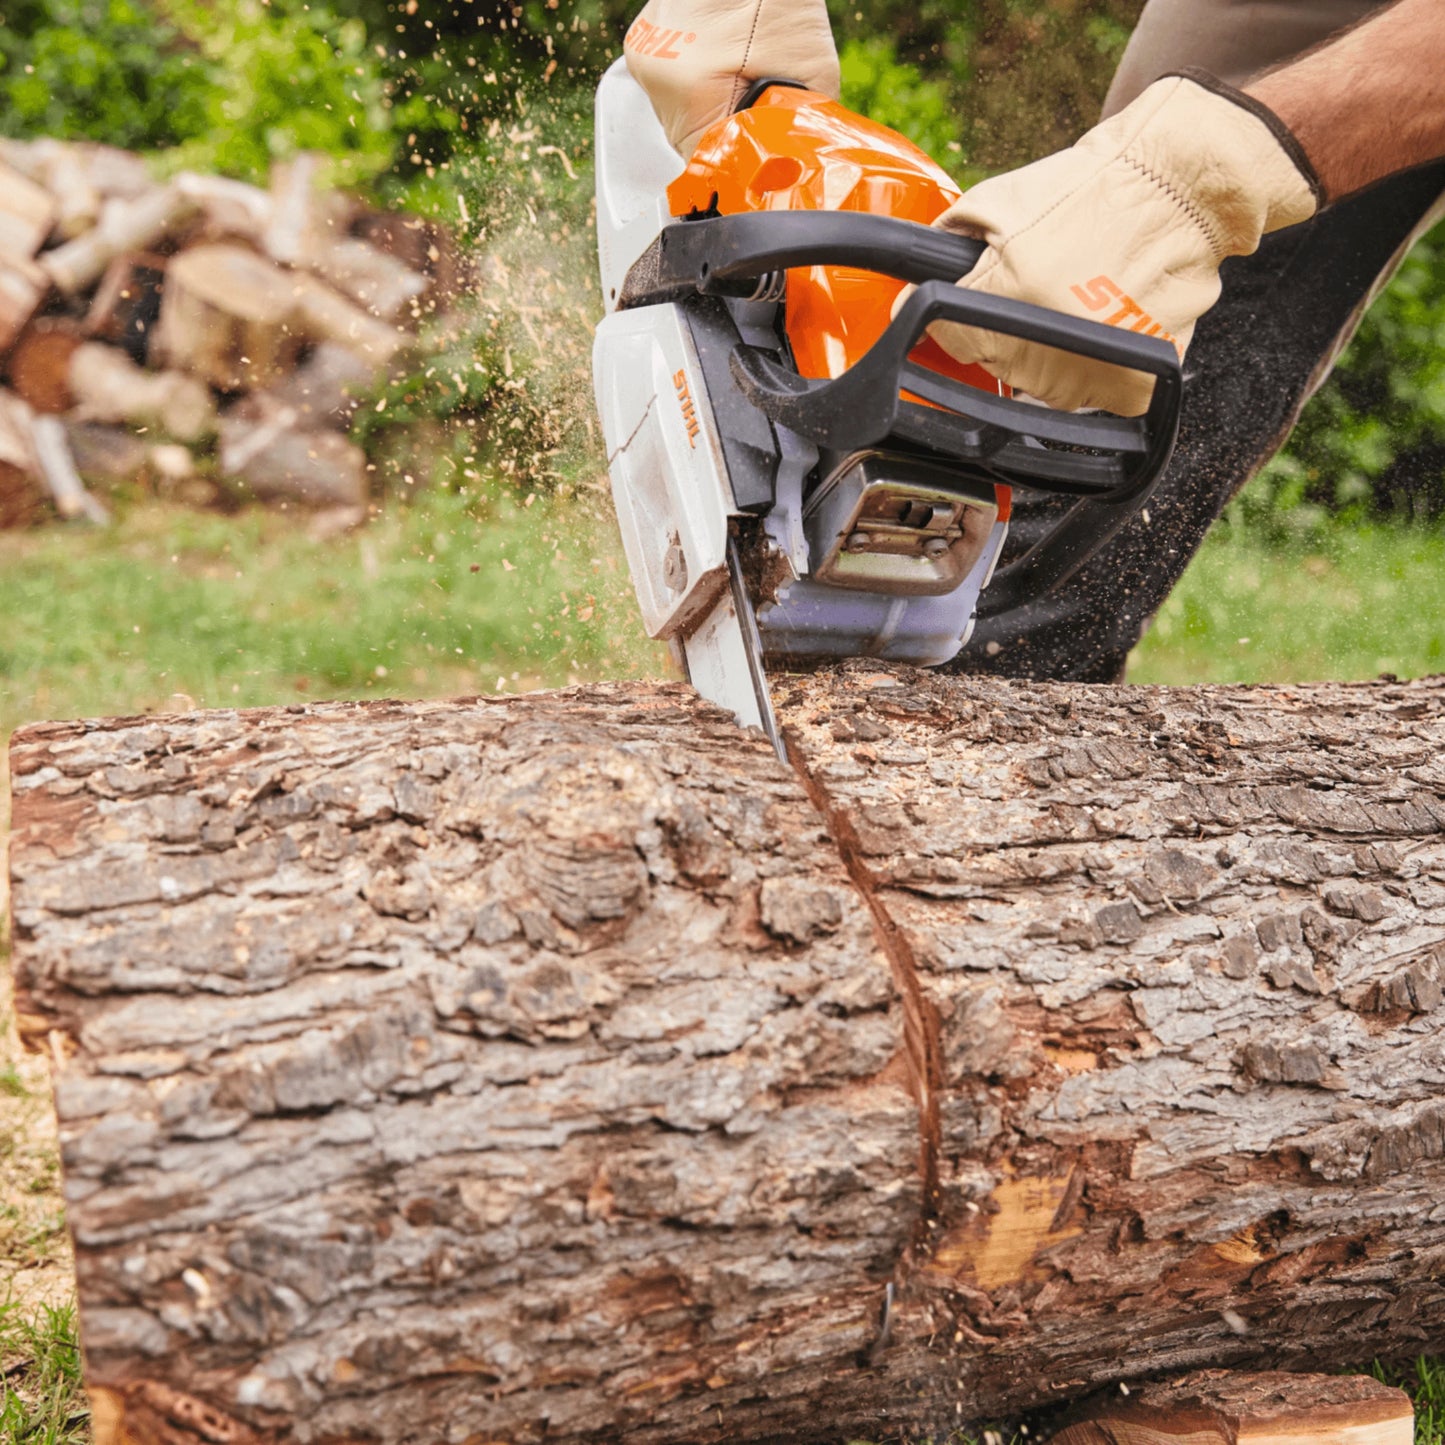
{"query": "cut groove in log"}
{"type": "Point", "coordinates": [533, 1066]}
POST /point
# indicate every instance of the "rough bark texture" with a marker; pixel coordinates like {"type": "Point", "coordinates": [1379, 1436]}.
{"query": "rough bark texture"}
{"type": "Point", "coordinates": [564, 1067]}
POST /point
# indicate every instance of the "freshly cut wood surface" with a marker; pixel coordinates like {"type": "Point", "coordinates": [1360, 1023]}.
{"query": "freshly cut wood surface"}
{"type": "Point", "coordinates": [23, 494]}
{"type": "Point", "coordinates": [27, 212]}
{"type": "Point", "coordinates": [108, 387]}
{"type": "Point", "coordinates": [567, 1067]}
{"type": "Point", "coordinates": [38, 366]}
{"type": "Point", "coordinates": [23, 286]}
{"type": "Point", "coordinates": [1220, 1407]}
{"type": "Point", "coordinates": [230, 317]}
{"type": "Point", "coordinates": [125, 225]}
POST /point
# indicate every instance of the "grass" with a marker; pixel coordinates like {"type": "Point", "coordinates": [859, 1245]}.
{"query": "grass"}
{"type": "Point", "coordinates": [1359, 603]}
{"type": "Point", "coordinates": [41, 1400]}
{"type": "Point", "coordinates": [177, 608]}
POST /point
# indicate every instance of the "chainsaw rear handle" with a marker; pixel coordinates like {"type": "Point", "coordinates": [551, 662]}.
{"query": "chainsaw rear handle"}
{"type": "Point", "coordinates": [1118, 460]}
{"type": "Point", "coordinates": [1110, 458]}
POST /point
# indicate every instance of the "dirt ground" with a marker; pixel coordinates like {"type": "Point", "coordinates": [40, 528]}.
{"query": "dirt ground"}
{"type": "Point", "coordinates": [35, 1258]}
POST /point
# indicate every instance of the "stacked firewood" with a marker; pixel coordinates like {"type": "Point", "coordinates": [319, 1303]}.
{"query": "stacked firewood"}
{"type": "Point", "coordinates": [209, 337]}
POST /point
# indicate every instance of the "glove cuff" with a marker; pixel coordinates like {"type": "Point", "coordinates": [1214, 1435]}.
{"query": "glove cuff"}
{"type": "Point", "coordinates": [1288, 142]}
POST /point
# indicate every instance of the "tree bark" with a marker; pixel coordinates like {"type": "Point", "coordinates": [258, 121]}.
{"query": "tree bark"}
{"type": "Point", "coordinates": [566, 1067]}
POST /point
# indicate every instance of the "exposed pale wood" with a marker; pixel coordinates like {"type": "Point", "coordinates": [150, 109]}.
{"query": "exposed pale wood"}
{"type": "Point", "coordinates": [291, 230]}
{"type": "Point", "coordinates": [231, 208]}
{"type": "Point", "coordinates": [57, 469]}
{"type": "Point", "coordinates": [381, 284]}
{"type": "Point", "coordinates": [1219, 1407]}
{"type": "Point", "coordinates": [125, 225]}
{"type": "Point", "coordinates": [67, 174]}
{"type": "Point", "coordinates": [127, 303]}
{"type": "Point", "coordinates": [108, 170]}
{"type": "Point", "coordinates": [23, 286]}
{"type": "Point", "coordinates": [329, 316]}
{"type": "Point", "coordinates": [230, 317]}
{"type": "Point", "coordinates": [27, 212]}
{"type": "Point", "coordinates": [568, 1068]}
{"type": "Point", "coordinates": [23, 497]}
{"type": "Point", "coordinates": [38, 366]}
{"type": "Point", "coordinates": [267, 449]}
{"type": "Point", "coordinates": [109, 387]}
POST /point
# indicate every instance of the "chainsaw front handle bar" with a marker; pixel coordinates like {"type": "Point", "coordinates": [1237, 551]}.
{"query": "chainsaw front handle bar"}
{"type": "Point", "coordinates": [1111, 462]}
{"type": "Point", "coordinates": [726, 255]}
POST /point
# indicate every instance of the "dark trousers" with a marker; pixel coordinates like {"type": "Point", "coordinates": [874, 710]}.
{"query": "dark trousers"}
{"type": "Point", "coordinates": [1283, 317]}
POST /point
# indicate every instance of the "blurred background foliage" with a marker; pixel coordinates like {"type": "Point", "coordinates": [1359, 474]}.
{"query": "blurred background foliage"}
{"type": "Point", "coordinates": [479, 110]}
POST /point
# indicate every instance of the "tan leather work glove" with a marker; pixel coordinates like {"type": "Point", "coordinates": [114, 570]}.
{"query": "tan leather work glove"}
{"type": "Point", "coordinates": [1128, 227]}
{"type": "Point", "coordinates": [696, 58]}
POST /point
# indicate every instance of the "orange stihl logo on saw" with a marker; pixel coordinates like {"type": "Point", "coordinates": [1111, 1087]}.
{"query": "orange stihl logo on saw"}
{"type": "Point", "coordinates": [1101, 292]}
{"type": "Point", "coordinates": [647, 39]}
{"type": "Point", "coordinates": [689, 411]}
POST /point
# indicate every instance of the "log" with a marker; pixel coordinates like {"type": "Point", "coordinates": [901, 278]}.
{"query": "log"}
{"type": "Point", "coordinates": [23, 495]}
{"type": "Point", "coordinates": [108, 387]}
{"type": "Point", "coordinates": [382, 285]}
{"type": "Point", "coordinates": [66, 172]}
{"type": "Point", "coordinates": [27, 212]}
{"type": "Point", "coordinates": [38, 367]}
{"type": "Point", "coordinates": [125, 225]}
{"type": "Point", "coordinates": [293, 220]}
{"type": "Point", "coordinates": [232, 209]}
{"type": "Point", "coordinates": [271, 455]}
{"type": "Point", "coordinates": [58, 471]}
{"type": "Point", "coordinates": [107, 455]}
{"type": "Point", "coordinates": [127, 303]}
{"type": "Point", "coordinates": [229, 317]}
{"type": "Point", "coordinates": [1218, 1407]}
{"type": "Point", "coordinates": [23, 286]}
{"type": "Point", "coordinates": [328, 386]}
{"type": "Point", "coordinates": [111, 172]}
{"type": "Point", "coordinates": [327, 315]}
{"type": "Point", "coordinates": [567, 1067]}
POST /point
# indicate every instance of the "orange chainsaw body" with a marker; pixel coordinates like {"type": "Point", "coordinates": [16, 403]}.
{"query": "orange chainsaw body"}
{"type": "Point", "coordinates": [797, 150]}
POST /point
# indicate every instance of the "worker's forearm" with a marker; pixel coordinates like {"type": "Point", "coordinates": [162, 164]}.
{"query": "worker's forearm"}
{"type": "Point", "coordinates": [1370, 103]}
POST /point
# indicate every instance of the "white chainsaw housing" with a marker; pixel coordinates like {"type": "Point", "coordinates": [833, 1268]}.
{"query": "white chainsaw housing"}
{"type": "Point", "coordinates": [669, 481]}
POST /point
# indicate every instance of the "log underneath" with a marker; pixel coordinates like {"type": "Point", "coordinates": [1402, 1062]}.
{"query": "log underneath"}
{"type": "Point", "coordinates": [564, 1067]}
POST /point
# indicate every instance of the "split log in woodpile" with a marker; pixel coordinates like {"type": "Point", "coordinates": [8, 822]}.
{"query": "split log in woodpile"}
{"type": "Point", "coordinates": [241, 323]}
{"type": "Point", "coordinates": [567, 1068]}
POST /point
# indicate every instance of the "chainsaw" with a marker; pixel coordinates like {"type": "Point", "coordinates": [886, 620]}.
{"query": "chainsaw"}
{"type": "Point", "coordinates": [801, 473]}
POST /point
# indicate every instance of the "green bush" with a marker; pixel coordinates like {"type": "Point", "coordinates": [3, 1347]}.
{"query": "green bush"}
{"type": "Point", "coordinates": [1372, 441]}
{"type": "Point", "coordinates": [877, 84]}
{"type": "Point", "coordinates": [104, 69]}
{"type": "Point", "coordinates": [286, 79]}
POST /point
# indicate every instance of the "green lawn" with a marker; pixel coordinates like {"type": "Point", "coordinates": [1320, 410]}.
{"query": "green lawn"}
{"type": "Point", "coordinates": [245, 610]}
{"type": "Point", "coordinates": [1365, 602]}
